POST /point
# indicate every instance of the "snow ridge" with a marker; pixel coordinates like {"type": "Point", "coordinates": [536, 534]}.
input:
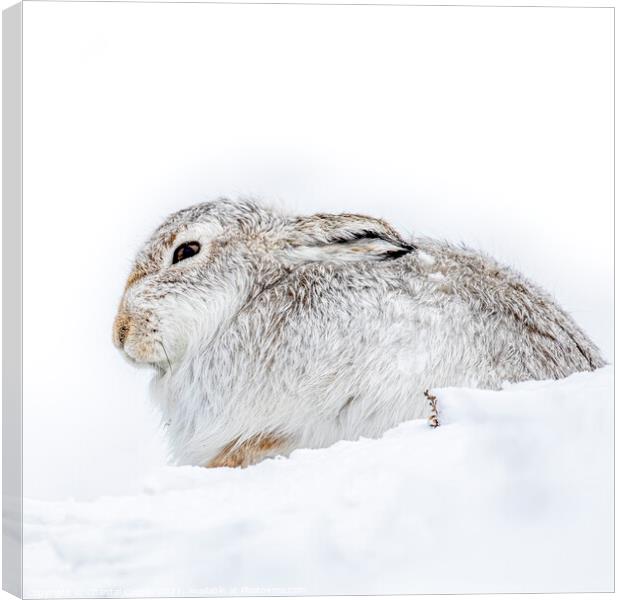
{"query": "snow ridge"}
{"type": "Point", "coordinates": [513, 492]}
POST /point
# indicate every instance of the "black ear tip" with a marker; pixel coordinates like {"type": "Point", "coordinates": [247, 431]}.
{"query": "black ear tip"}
{"type": "Point", "coordinates": [404, 250]}
{"type": "Point", "coordinates": [408, 247]}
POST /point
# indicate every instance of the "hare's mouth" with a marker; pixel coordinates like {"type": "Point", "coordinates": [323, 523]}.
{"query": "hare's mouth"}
{"type": "Point", "coordinates": [140, 342]}
{"type": "Point", "coordinates": [145, 361]}
{"type": "Point", "coordinates": [147, 352]}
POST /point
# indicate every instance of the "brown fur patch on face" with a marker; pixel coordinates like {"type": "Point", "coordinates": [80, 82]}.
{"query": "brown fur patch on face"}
{"type": "Point", "coordinates": [249, 452]}
{"type": "Point", "coordinates": [121, 329]}
{"type": "Point", "coordinates": [135, 276]}
{"type": "Point", "coordinates": [169, 239]}
{"type": "Point", "coordinates": [141, 271]}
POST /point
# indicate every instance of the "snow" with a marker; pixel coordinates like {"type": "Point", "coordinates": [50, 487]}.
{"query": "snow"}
{"type": "Point", "coordinates": [512, 493]}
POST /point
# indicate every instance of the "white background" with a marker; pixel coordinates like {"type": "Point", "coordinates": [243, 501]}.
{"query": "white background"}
{"type": "Point", "coordinates": [491, 126]}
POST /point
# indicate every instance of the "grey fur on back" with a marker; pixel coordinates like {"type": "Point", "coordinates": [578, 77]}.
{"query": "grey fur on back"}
{"type": "Point", "coordinates": [327, 327]}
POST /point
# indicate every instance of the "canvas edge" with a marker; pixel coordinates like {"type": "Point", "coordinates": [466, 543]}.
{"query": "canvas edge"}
{"type": "Point", "coordinates": [12, 504]}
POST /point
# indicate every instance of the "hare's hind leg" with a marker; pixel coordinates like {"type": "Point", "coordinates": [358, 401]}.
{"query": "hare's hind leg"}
{"type": "Point", "coordinates": [249, 452]}
{"type": "Point", "coordinates": [433, 418]}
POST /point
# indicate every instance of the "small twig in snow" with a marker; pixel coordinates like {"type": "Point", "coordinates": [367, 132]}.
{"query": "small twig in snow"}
{"type": "Point", "coordinates": [433, 419]}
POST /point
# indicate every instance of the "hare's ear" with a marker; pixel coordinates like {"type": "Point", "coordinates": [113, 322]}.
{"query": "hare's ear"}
{"type": "Point", "coordinates": [344, 237]}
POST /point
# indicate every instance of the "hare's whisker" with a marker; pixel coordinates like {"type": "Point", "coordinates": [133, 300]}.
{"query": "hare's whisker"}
{"type": "Point", "coordinates": [164, 349]}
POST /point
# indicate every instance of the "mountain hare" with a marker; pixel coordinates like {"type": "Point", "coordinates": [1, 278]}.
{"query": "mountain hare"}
{"type": "Point", "coordinates": [270, 332]}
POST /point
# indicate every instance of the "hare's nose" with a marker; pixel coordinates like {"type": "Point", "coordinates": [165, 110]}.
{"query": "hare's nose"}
{"type": "Point", "coordinates": [121, 329]}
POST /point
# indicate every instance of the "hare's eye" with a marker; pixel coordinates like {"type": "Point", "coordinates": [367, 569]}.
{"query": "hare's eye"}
{"type": "Point", "coordinates": [185, 251]}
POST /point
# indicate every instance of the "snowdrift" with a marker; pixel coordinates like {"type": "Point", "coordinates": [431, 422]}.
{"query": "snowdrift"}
{"type": "Point", "coordinates": [512, 493]}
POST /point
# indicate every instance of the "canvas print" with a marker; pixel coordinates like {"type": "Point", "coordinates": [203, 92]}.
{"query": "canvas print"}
{"type": "Point", "coordinates": [307, 299]}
